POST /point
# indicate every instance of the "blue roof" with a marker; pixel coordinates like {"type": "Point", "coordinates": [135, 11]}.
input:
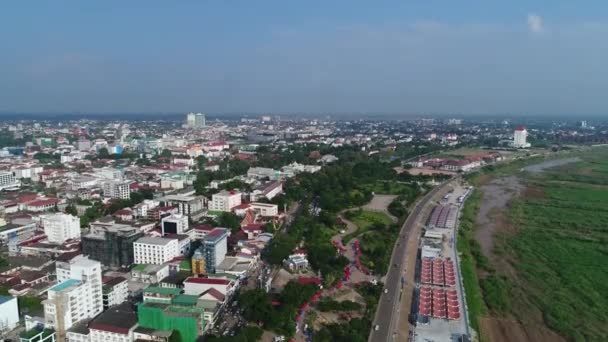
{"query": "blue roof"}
{"type": "Point", "coordinates": [62, 286]}
{"type": "Point", "coordinates": [4, 299]}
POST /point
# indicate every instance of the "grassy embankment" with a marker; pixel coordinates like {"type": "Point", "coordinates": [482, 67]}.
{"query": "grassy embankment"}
{"type": "Point", "coordinates": [561, 247]}
{"type": "Point", "coordinates": [558, 251]}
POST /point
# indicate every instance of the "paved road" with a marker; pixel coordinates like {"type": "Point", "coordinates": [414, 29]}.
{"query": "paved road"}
{"type": "Point", "coordinates": [386, 313]}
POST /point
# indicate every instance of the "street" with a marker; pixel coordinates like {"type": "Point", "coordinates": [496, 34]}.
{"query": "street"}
{"type": "Point", "coordinates": [387, 312]}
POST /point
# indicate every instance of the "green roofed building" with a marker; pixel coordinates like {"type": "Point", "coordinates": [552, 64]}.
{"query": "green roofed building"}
{"type": "Point", "coordinates": [187, 319]}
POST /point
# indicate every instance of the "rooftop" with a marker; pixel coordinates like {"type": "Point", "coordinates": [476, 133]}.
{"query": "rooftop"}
{"type": "Point", "coordinates": [209, 281]}
{"type": "Point", "coordinates": [216, 234]}
{"type": "Point", "coordinates": [4, 299]}
{"type": "Point", "coordinates": [117, 319]}
{"type": "Point", "coordinates": [163, 290]}
{"type": "Point", "coordinates": [151, 240]}
{"type": "Point", "coordinates": [65, 285]}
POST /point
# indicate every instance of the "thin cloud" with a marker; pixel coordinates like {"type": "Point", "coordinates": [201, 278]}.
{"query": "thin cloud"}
{"type": "Point", "coordinates": [535, 23]}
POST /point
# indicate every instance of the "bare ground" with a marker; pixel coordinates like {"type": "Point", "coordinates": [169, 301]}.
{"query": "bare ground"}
{"type": "Point", "coordinates": [496, 196]}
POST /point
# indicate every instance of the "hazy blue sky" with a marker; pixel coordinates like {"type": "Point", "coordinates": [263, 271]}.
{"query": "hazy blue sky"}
{"type": "Point", "coordinates": [465, 56]}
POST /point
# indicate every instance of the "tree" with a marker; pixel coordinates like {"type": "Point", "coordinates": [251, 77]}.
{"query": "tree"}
{"type": "Point", "coordinates": [165, 153]}
{"type": "Point", "coordinates": [103, 153]}
{"type": "Point", "coordinates": [201, 182]}
{"type": "Point", "coordinates": [229, 220]}
{"type": "Point", "coordinates": [71, 209]}
{"type": "Point", "coordinates": [256, 305]}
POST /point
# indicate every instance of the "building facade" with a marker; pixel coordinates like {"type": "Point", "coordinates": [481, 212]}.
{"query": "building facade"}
{"type": "Point", "coordinates": [174, 224]}
{"type": "Point", "coordinates": [215, 246]}
{"type": "Point", "coordinates": [60, 227]}
{"type": "Point", "coordinates": [76, 297]}
{"type": "Point", "coordinates": [155, 250]}
{"type": "Point", "coordinates": [117, 189]}
{"type": "Point", "coordinates": [9, 314]}
{"type": "Point", "coordinates": [225, 201]}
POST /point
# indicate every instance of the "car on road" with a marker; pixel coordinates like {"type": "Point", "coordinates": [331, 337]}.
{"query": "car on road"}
{"type": "Point", "coordinates": [376, 327]}
{"type": "Point", "coordinates": [385, 290]}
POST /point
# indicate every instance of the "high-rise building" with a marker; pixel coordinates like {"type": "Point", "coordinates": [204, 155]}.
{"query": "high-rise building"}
{"type": "Point", "coordinates": [215, 246]}
{"type": "Point", "coordinates": [519, 137]}
{"type": "Point", "coordinates": [8, 180]}
{"type": "Point", "coordinates": [195, 120]}
{"type": "Point", "coordinates": [112, 245]}
{"type": "Point", "coordinates": [117, 189]}
{"type": "Point", "coordinates": [60, 227]}
{"type": "Point", "coordinates": [77, 296]}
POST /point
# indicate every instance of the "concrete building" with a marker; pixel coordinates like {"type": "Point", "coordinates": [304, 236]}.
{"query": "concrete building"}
{"type": "Point", "coordinates": [17, 232]}
{"type": "Point", "coordinates": [8, 180]}
{"type": "Point", "coordinates": [115, 291]}
{"type": "Point", "coordinates": [116, 324]}
{"type": "Point", "coordinates": [519, 137]}
{"type": "Point", "coordinates": [268, 191]}
{"type": "Point", "coordinates": [155, 250]}
{"type": "Point", "coordinates": [9, 314]}
{"type": "Point", "coordinates": [60, 227]}
{"type": "Point", "coordinates": [265, 209]}
{"type": "Point", "coordinates": [263, 172]}
{"type": "Point", "coordinates": [76, 297]}
{"type": "Point", "coordinates": [225, 201]}
{"type": "Point", "coordinates": [198, 263]}
{"type": "Point", "coordinates": [195, 120]}
{"type": "Point", "coordinates": [112, 244]}
{"type": "Point", "coordinates": [174, 224]}
{"type": "Point", "coordinates": [117, 189]}
{"type": "Point", "coordinates": [196, 286]}
{"type": "Point", "coordinates": [186, 205]}
{"type": "Point", "coordinates": [215, 246]}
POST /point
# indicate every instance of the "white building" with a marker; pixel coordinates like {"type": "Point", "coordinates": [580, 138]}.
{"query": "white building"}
{"type": "Point", "coordinates": [115, 291]}
{"type": "Point", "coordinates": [265, 209]}
{"type": "Point", "coordinates": [195, 120]}
{"type": "Point", "coordinates": [8, 180]}
{"type": "Point", "coordinates": [9, 314]}
{"type": "Point", "coordinates": [155, 250]}
{"type": "Point", "coordinates": [196, 286]}
{"type": "Point", "coordinates": [174, 224]}
{"type": "Point", "coordinates": [117, 189]}
{"type": "Point", "coordinates": [77, 296]}
{"type": "Point", "coordinates": [225, 201]}
{"type": "Point", "coordinates": [61, 227]}
{"type": "Point", "coordinates": [519, 137]}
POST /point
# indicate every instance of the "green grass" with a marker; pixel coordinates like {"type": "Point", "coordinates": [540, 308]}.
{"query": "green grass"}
{"type": "Point", "coordinates": [365, 220]}
{"type": "Point", "coordinates": [562, 252]}
{"type": "Point", "coordinates": [559, 252]}
{"type": "Point", "coordinates": [468, 249]}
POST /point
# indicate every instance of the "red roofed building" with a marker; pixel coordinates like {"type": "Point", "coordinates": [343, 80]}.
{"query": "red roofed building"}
{"type": "Point", "coordinates": [115, 324]}
{"type": "Point", "coordinates": [42, 204]}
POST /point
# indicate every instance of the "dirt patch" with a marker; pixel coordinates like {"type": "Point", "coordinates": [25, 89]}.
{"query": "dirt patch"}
{"type": "Point", "coordinates": [540, 167]}
{"type": "Point", "coordinates": [490, 218]}
{"type": "Point", "coordinates": [505, 330]}
{"type": "Point", "coordinates": [533, 192]}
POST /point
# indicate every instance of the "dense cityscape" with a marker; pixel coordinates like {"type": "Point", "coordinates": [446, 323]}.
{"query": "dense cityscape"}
{"type": "Point", "coordinates": [254, 228]}
{"type": "Point", "coordinates": [303, 171]}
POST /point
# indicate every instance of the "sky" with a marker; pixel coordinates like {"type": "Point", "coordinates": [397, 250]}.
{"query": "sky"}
{"type": "Point", "coordinates": [407, 57]}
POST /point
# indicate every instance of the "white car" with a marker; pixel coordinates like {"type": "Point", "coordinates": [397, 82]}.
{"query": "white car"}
{"type": "Point", "coordinates": [385, 290]}
{"type": "Point", "coordinates": [376, 327]}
